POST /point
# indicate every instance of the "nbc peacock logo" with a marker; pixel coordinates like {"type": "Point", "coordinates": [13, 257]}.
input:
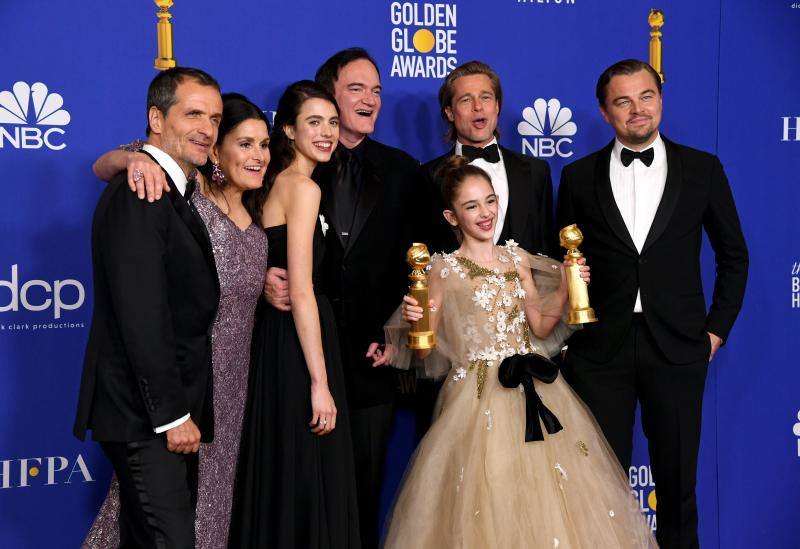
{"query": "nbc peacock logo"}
{"type": "Point", "coordinates": [546, 128]}
{"type": "Point", "coordinates": [31, 117]}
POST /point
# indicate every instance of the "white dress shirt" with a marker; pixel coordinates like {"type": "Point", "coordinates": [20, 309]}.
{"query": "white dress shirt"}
{"type": "Point", "coordinates": [179, 178]}
{"type": "Point", "coordinates": [170, 166]}
{"type": "Point", "coordinates": [637, 191]}
{"type": "Point", "coordinates": [497, 173]}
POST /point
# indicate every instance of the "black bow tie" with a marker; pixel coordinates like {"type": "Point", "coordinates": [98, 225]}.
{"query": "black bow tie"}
{"type": "Point", "coordinates": [490, 153]}
{"type": "Point", "coordinates": [191, 183]}
{"type": "Point", "coordinates": [646, 156]}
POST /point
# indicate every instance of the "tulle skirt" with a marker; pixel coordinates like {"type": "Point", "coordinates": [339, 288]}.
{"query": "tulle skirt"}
{"type": "Point", "coordinates": [474, 482]}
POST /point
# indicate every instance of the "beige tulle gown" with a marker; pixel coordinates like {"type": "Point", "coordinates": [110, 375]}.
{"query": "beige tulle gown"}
{"type": "Point", "coordinates": [474, 482]}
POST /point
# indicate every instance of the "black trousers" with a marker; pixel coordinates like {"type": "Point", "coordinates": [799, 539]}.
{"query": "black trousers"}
{"type": "Point", "coordinates": [671, 398]}
{"type": "Point", "coordinates": [370, 428]}
{"type": "Point", "coordinates": [158, 494]}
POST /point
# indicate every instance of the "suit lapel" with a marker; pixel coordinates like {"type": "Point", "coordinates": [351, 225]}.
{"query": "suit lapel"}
{"type": "Point", "coordinates": [194, 223]}
{"type": "Point", "coordinates": [367, 197]}
{"type": "Point", "coordinates": [519, 188]}
{"type": "Point", "coordinates": [605, 197]}
{"type": "Point", "coordinates": [190, 218]}
{"type": "Point", "coordinates": [672, 191]}
{"type": "Point", "coordinates": [325, 176]}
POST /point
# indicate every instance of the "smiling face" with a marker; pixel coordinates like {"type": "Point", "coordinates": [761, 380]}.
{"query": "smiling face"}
{"type": "Point", "coordinates": [243, 154]}
{"type": "Point", "coordinates": [474, 208]}
{"type": "Point", "coordinates": [188, 129]}
{"type": "Point", "coordinates": [316, 130]}
{"type": "Point", "coordinates": [358, 93]}
{"type": "Point", "coordinates": [633, 108]}
{"type": "Point", "coordinates": [473, 110]}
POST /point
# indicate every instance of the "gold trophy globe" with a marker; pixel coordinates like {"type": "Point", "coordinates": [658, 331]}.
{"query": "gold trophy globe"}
{"type": "Point", "coordinates": [420, 336]}
{"type": "Point", "coordinates": [580, 312]}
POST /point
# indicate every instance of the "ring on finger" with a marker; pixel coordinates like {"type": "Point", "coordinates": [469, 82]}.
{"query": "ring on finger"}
{"type": "Point", "coordinates": [137, 176]}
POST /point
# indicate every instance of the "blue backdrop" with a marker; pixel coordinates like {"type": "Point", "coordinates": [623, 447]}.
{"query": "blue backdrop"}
{"type": "Point", "coordinates": [72, 85]}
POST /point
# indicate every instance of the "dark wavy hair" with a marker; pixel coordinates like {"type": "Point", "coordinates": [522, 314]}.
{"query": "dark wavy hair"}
{"type": "Point", "coordinates": [236, 108]}
{"type": "Point", "coordinates": [281, 148]}
{"type": "Point", "coordinates": [625, 67]}
{"type": "Point", "coordinates": [328, 72]}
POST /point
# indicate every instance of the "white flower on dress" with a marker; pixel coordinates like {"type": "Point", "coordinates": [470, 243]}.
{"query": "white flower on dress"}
{"type": "Point", "coordinates": [461, 373]}
{"type": "Point", "coordinates": [323, 224]}
{"type": "Point", "coordinates": [518, 290]}
{"type": "Point", "coordinates": [444, 272]}
{"type": "Point", "coordinates": [511, 243]}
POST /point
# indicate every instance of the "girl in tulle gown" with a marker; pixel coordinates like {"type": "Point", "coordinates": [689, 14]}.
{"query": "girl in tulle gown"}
{"type": "Point", "coordinates": [513, 458]}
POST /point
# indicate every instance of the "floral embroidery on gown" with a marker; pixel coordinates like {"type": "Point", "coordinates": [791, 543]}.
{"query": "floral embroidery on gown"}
{"type": "Point", "coordinates": [473, 480]}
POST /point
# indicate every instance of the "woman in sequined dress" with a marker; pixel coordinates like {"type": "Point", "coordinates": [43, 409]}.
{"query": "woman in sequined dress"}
{"type": "Point", "coordinates": [486, 474]}
{"type": "Point", "coordinates": [239, 162]}
{"type": "Point", "coordinates": [296, 481]}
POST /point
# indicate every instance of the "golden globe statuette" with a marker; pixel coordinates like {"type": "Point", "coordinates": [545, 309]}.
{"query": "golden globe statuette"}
{"type": "Point", "coordinates": [580, 312]}
{"type": "Point", "coordinates": [656, 21]}
{"type": "Point", "coordinates": [420, 336]}
{"type": "Point", "coordinates": [164, 60]}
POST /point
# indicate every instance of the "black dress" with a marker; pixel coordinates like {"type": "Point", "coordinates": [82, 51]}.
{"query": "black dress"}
{"type": "Point", "coordinates": [294, 488]}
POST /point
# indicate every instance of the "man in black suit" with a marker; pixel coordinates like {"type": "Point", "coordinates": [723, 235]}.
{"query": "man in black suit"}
{"type": "Point", "coordinates": [470, 99]}
{"type": "Point", "coordinates": [375, 205]}
{"type": "Point", "coordinates": [146, 387]}
{"type": "Point", "coordinates": [642, 203]}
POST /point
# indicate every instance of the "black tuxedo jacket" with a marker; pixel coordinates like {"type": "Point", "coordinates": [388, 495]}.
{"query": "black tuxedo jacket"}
{"type": "Point", "coordinates": [367, 278]}
{"type": "Point", "coordinates": [148, 359]}
{"type": "Point", "coordinates": [696, 197]}
{"type": "Point", "coordinates": [530, 204]}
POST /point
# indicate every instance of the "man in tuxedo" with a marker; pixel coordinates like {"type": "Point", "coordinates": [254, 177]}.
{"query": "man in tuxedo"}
{"type": "Point", "coordinates": [642, 203]}
{"type": "Point", "coordinates": [470, 99]}
{"type": "Point", "coordinates": [375, 203]}
{"type": "Point", "coordinates": [146, 387]}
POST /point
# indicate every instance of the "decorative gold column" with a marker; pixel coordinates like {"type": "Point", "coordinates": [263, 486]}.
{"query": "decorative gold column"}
{"type": "Point", "coordinates": [164, 60]}
{"type": "Point", "coordinates": [656, 20]}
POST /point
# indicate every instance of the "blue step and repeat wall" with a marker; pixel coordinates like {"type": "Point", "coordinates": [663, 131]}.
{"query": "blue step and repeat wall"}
{"type": "Point", "coordinates": [73, 77]}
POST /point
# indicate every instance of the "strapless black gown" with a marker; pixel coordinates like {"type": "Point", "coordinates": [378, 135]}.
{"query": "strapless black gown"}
{"type": "Point", "coordinates": [294, 489]}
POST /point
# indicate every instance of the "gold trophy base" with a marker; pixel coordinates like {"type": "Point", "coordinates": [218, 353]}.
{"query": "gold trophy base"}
{"type": "Point", "coordinates": [163, 64]}
{"type": "Point", "coordinates": [419, 341]}
{"type": "Point", "coordinates": [582, 316]}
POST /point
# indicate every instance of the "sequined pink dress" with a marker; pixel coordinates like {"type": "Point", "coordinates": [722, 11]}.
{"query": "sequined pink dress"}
{"type": "Point", "coordinates": [241, 259]}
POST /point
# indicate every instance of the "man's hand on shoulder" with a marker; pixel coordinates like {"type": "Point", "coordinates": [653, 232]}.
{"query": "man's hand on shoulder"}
{"type": "Point", "coordinates": [145, 177]}
{"type": "Point", "coordinates": [184, 439]}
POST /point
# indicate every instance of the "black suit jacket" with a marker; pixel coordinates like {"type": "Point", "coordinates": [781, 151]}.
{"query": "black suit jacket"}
{"type": "Point", "coordinates": [148, 359]}
{"type": "Point", "coordinates": [696, 197]}
{"type": "Point", "coordinates": [367, 278]}
{"type": "Point", "coordinates": [530, 203]}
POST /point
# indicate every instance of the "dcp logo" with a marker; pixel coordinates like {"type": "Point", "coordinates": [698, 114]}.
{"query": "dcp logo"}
{"type": "Point", "coordinates": [550, 127]}
{"type": "Point", "coordinates": [40, 299]}
{"type": "Point", "coordinates": [27, 108]}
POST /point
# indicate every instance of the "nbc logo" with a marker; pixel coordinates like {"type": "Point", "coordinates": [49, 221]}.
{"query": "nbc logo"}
{"type": "Point", "coordinates": [549, 126]}
{"type": "Point", "coordinates": [27, 107]}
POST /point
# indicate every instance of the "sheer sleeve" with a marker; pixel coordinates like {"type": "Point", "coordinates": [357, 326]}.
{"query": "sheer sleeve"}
{"type": "Point", "coordinates": [545, 297]}
{"type": "Point", "coordinates": [437, 363]}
